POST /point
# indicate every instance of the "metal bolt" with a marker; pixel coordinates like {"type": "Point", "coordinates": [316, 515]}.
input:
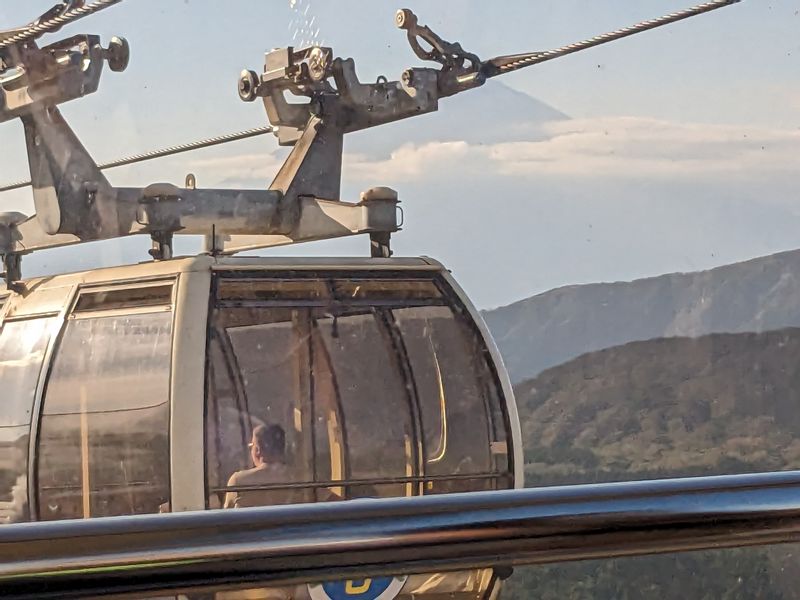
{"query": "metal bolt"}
{"type": "Point", "coordinates": [404, 18]}
{"type": "Point", "coordinates": [118, 54]}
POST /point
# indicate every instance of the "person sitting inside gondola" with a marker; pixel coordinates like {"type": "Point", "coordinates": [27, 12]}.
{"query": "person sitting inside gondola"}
{"type": "Point", "coordinates": [268, 451]}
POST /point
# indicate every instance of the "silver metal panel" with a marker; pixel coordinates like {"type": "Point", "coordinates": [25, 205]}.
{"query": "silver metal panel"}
{"type": "Point", "coordinates": [140, 272]}
{"type": "Point", "coordinates": [38, 300]}
{"type": "Point", "coordinates": [187, 429]}
{"type": "Point", "coordinates": [316, 263]}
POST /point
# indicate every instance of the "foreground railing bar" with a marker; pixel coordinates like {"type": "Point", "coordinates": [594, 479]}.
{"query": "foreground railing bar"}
{"type": "Point", "coordinates": [282, 545]}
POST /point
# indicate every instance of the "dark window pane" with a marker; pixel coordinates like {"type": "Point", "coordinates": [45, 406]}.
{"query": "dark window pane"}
{"type": "Point", "coordinates": [103, 446]}
{"type": "Point", "coordinates": [457, 399]}
{"type": "Point", "coordinates": [258, 376]}
{"type": "Point", "coordinates": [372, 396]}
{"type": "Point", "coordinates": [386, 289]}
{"type": "Point", "coordinates": [276, 289]}
{"type": "Point", "coordinates": [156, 295]}
{"type": "Point", "coordinates": [22, 349]}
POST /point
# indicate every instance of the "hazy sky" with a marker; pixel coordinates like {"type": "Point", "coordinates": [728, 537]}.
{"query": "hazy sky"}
{"type": "Point", "coordinates": [681, 153]}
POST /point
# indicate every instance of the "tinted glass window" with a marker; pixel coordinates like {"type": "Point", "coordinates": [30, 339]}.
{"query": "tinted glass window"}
{"type": "Point", "coordinates": [307, 372]}
{"type": "Point", "coordinates": [155, 295]}
{"type": "Point", "coordinates": [365, 378]}
{"type": "Point", "coordinates": [103, 446]}
{"type": "Point", "coordinates": [455, 392]}
{"type": "Point", "coordinates": [255, 380]}
{"type": "Point", "coordinates": [22, 350]}
{"type": "Point", "coordinates": [372, 395]}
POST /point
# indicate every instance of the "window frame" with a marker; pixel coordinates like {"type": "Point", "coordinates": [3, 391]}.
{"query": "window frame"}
{"type": "Point", "coordinates": [44, 374]}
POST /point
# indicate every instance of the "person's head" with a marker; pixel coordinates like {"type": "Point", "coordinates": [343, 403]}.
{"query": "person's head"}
{"type": "Point", "coordinates": [268, 444]}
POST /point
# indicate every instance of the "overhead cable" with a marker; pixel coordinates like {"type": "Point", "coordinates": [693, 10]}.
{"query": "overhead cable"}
{"type": "Point", "coordinates": [36, 29]}
{"type": "Point", "coordinates": [168, 151]}
{"type": "Point", "coordinates": [505, 64]}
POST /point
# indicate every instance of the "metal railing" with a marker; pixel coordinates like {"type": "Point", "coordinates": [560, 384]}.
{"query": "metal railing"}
{"type": "Point", "coordinates": [304, 543]}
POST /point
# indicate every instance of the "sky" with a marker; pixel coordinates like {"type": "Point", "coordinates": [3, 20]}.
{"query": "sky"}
{"type": "Point", "coordinates": [680, 151]}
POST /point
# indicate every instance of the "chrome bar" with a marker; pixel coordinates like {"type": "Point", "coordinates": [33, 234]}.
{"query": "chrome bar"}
{"type": "Point", "coordinates": [293, 544]}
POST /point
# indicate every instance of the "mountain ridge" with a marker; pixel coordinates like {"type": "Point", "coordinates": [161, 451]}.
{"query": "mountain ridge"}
{"type": "Point", "coordinates": [553, 327]}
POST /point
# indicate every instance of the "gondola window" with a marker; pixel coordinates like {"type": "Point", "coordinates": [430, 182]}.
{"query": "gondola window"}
{"type": "Point", "coordinates": [103, 439]}
{"type": "Point", "coordinates": [22, 350]}
{"type": "Point", "coordinates": [380, 386]}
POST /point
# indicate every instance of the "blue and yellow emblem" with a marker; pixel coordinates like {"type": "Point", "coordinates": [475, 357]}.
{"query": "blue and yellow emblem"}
{"type": "Point", "coordinates": [377, 588]}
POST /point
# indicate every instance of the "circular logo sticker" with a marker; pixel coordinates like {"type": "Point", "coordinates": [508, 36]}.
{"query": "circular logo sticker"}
{"type": "Point", "coordinates": [379, 588]}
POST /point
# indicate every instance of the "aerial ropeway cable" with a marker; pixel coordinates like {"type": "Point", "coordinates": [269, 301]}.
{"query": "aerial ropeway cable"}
{"type": "Point", "coordinates": [513, 62]}
{"type": "Point", "coordinates": [72, 11]}
{"type": "Point", "coordinates": [162, 152]}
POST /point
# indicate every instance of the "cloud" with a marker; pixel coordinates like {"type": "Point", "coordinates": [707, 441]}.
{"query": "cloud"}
{"type": "Point", "coordinates": [609, 147]}
{"type": "Point", "coordinates": [618, 147]}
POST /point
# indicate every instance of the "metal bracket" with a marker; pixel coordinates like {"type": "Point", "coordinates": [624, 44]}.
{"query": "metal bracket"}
{"type": "Point", "coordinates": [386, 198]}
{"type": "Point", "coordinates": [76, 203]}
{"type": "Point", "coordinates": [160, 215]}
{"type": "Point", "coordinates": [460, 69]}
{"type": "Point", "coordinates": [12, 264]}
{"type": "Point", "coordinates": [320, 219]}
{"type": "Point", "coordinates": [36, 78]}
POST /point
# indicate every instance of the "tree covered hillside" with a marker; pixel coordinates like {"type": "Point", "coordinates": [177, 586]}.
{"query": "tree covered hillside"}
{"type": "Point", "coordinates": [721, 403]}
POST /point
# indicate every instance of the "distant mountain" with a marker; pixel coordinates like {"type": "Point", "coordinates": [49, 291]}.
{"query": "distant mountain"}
{"type": "Point", "coordinates": [491, 114]}
{"type": "Point", "coordinates": [556, 326]}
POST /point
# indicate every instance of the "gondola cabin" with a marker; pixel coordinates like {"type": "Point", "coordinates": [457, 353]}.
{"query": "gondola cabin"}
{"type": "Point", "coordinates": [136, 389]}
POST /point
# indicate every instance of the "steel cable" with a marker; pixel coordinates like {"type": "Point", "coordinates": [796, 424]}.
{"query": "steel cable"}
{"type": "Point", "coordinates": [168, 151]}
{"type": "Point", "coordinates": [35, 30]}
{"type": "Point", "coordinates": [505, 64]}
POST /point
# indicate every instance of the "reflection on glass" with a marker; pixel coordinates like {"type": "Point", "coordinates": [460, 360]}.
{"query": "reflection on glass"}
{"type": "Point", "coordinates": [371, 393]}
{"type": "Point", "coordinates": [368, 379]}
{"type": "Point", "coordinates": [22, 349]}
{"type": "Point", "coordinates": [455, 396]}
{"type": "Point", "coordinates": [103, 443]}
{"type": "Point", "coordinates": [457, 585]}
